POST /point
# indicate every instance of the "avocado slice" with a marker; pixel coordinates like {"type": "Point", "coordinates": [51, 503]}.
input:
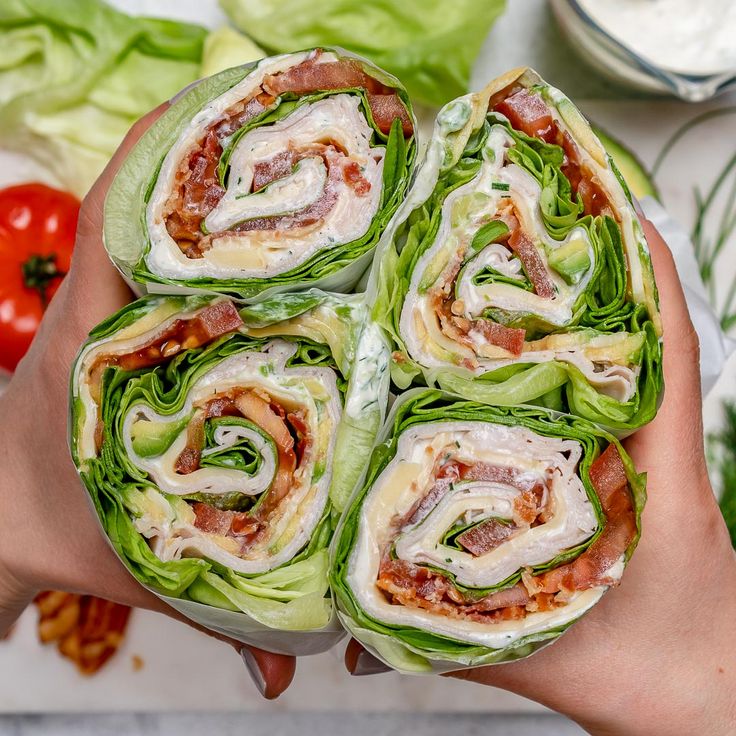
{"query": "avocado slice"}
{"type": "Point", "coordinates": [633, 171]}
{"type": "Point", "coordinates": [151, 439]}
{"type": "Point", "coordinates": [570, 260]}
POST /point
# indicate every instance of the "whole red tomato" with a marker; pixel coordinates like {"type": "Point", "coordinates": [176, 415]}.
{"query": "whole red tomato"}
{"type": "Point", "coordinates": [37, 229]}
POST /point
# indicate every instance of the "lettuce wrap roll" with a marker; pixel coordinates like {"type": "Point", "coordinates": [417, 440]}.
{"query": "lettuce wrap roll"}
{"type": "Point", "coordinates": [266, 177]}
{"type": "Point", "coordinates": [481, 533]}
{"type": "Point", "coordinates": [517, 271]}
{"type": "Point", "coordinates": [219, 446]}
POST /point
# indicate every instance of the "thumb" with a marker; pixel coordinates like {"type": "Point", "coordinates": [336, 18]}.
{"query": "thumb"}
{"type": "Point", "coordinates": [93, 287]}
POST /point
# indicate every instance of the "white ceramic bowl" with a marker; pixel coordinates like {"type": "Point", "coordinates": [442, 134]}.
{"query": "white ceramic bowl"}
{"type": "Point", "coordinates": [617, 61]}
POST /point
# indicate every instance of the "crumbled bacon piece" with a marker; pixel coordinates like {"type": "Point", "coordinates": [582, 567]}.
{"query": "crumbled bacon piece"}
{"type": "Point", "coordinates": [87, 630]}
{"type": "Point", "coordinates": [354, 178]}
{"type": "Point", "coordinates": [238, 524]}
{"type": "Point", "coordinates": [533, 264]}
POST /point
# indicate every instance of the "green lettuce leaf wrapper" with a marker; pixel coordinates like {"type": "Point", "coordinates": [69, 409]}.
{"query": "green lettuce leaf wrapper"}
{"type": "Point", "coordinates": [330, 263]}
{"type": "Point", "coordinates": [430, 49]}
{"type": "Point", "coordinates": [73, 82]}
{"type": "Point", "coordinates": [416, 649]}
{"type": "Point", "coordinates": [312, 350]}
{"type": "Point", "coordinates": [598, 265]}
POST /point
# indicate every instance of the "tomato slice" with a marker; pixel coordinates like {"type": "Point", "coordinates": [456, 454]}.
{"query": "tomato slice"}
{"type": "Point", "coordinates": [37, 229]}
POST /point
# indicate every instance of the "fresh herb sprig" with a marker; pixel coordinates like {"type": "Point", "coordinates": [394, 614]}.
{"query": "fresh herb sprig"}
{"type": "Point", "coordinates": [708, 249]}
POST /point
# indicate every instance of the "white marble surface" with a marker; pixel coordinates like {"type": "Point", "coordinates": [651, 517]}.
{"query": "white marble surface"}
{"type": "Point", "coordinates": [314, 724]}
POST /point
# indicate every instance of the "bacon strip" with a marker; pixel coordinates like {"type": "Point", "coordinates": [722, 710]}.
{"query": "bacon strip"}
{"type": "Point", "coordinates": [533, 264]}
{"type": "Point", "coordinates": [258, 411]}
{"type": "Point", "coordinates": [385, 109]}
{"type": "Point", "coordinates": [240, 524]}
{"type": "Point", "coordinates": [485, 536]}
{"type": "Point", "coordinates": [528, 113]}
{"type": "Point", "coordinates": [508, 598]}
{"type": "Point", "coordinates": [411, 585]}
{"type": "Point", "coordinates": [508, 338]}
{"type": "Point", "coordinates": [199, 190]}
{"type": "Point", "coordinates": [311, 75]}
{"type": "Point", "coordinates": [608, 476]}
{"type": "Point", "coordinates": [206, 325]}
{"type": "Point", "coordinates": [414, 586]}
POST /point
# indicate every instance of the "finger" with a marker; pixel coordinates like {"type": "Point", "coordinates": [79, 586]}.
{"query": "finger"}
{"type": "Point", "coordinates": [95, 288]}
{"type": "Point", "coordinates": [359, 662]}
{"type": "Point", "coordinates": [675, 437]}
{"type": "Point", "coordinates": [673, 305]}
{"type": "Point", "coordinates": [100, 187]}
{"type": "Point", "coordinates": [681, 358]}
{"type": "Point", "coordinates": [271, 673]}
{"type": "Point", "coordinates": [89, 229]}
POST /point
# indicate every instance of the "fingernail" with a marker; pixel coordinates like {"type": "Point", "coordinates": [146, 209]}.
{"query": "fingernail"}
{"type": "Point", "coordinates": [367, 664]}
{"type": "Point", "coordinates": [254, 670]}
{"type": "Point", "coordinates": [186, 89]}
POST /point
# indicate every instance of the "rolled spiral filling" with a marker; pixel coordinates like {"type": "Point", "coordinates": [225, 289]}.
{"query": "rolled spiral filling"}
{"type": "Point", "coordinates": [240, 474]}
{"type": "Point", "coordinates": [526, 251]}
{"type": "Point", "coordinates": [485, 533]}
{"type": "Point", "coordinates": [287, 163]}
{"type": "Point", "coordinates": [249, 455]}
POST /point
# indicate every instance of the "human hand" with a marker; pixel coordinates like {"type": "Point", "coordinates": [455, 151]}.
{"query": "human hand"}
{"type": "Point", "coordinates": [654, 656]}
{"type": "Point", "coordinates": [50, 537]}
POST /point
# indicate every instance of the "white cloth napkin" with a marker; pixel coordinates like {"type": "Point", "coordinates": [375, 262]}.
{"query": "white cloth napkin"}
{"type": "Point", "coordinates": [715, 346]}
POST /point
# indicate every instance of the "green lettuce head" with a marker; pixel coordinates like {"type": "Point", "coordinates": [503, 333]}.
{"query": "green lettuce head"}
{"type": "Point", "coordinates": [219, 446]}
{"type": "Point", "coordinates": [73, 80]}
{"type": "Point", "coordinates": [481, 533]}
{"type": "Point", "coordinates": [516, 271]}
{"type": "Point", "coordinates": [266, 177]}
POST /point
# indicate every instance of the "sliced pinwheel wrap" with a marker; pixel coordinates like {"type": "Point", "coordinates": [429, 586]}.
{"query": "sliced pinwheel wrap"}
{"type": "Point", "coordinates": [219, 446]}
{"type": "Point", "coordinates": [481, 533]}
{"type": "Point", "coordinates": [266, 177]}
{"type": "Point", "coordinates": [516, 271]}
